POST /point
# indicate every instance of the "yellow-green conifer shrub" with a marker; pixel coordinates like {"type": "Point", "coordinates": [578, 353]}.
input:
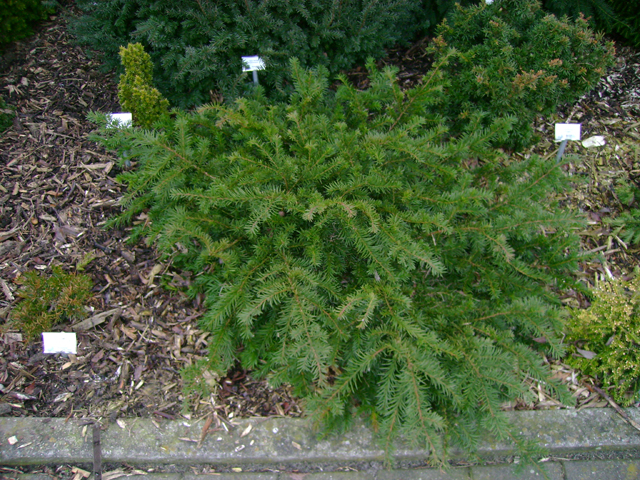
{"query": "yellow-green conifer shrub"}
{"type": "Point", "coordinates": [610, 329]}
{"type": "Point", "coordinates": [135, 90]}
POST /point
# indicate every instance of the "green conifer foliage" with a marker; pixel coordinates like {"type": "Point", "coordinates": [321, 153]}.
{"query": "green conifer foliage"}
{"type": "Point", "coordinates": [628, 21]}
{"type": "Point", "coordinates": [197, 45]}
{"type": "Point", "coordinates": [517, 60]}
{"type": "Point", "coordinates": [18, 16]}
{"type": "Point", "coordinates": [616, 17]}
{"type": "Point", "coordinates": [7, 114]}
{"type": "Point", "coordinates": [599, 13]}
{"type": "Point", "coordinates": [135, 92]}
{"type": "Point", "coordinates": [48, 301]}
{"type": "Point", "coordinates": [349, 246]}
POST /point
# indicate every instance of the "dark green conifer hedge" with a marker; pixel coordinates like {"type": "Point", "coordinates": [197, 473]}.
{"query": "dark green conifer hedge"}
{"type": "Point", "coordinates": [628, 20]}
{"type": "Point", "coordinates": [599, 13]}
{"type": "Point", "coordinates": [347, 244]}
{"type": "Point", "coordinates": [620, 18]}
{"type": "Point", "coordinates": [197, 45]}
{"type": "Point", "coordinates": [18, 16]}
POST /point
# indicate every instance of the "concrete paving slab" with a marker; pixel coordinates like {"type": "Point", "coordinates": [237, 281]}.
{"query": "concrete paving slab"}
{"type": "Point", "coordinates": [508, 472]}
{"type": "Point", "coordinates": [29, 476]}
{"type": "Point", "coordinates": [417, 474]}
{"type": "Point", "coordinates": [330, 476]}
{"type": "Point", "coordinates": [159, 476]}
{"type": "Point", "coordinates": [574, 470]}
{"type": "Point", "coordinates": [283, 443]}
{"type": "Point", "coordinates": [571, 431]}
{"type": "Point", "coordinates": [462, 473]}
{"type": "Point", "coordinates": [269, 441]}
{"type": "Point", "coordinates": [603, 470]}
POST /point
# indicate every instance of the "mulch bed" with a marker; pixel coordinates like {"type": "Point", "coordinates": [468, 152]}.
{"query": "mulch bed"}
{"type": "Point", "coordinates": [57, 189]}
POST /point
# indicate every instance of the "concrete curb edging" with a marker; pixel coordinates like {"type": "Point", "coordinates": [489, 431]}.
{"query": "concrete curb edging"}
{"type": "Point", "coordinates": [284, 441]}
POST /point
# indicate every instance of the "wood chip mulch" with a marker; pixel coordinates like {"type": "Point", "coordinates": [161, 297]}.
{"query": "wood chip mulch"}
{"type": "Point", "coordinates": [56, 190]}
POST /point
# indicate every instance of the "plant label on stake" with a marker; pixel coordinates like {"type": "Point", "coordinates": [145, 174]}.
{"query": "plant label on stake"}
{"type": "Point", "coordinates": [124, 119]}
{"type": "Point", "coordinates": [59, 342]}
{"type": "Point", "coordinates": [253, 64]}
{"type": "Point", "coordinates": [117, 120]}
{"type": "Point", "coordinates": [564, 133]}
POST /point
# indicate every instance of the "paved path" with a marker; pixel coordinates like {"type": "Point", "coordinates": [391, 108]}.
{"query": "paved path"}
{"type": "Point", "coordinates": [573, 470]}
{"type": "Point", "coordinates": [608, 448]}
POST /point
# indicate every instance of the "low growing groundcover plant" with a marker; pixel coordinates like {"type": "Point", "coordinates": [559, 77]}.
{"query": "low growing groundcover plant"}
{"type": "Point", "coordinates": [604, 338]}
{"type": "Point", "coordinates": [48, 301]}
{"type": "Point", "coordinates": [348, 245]}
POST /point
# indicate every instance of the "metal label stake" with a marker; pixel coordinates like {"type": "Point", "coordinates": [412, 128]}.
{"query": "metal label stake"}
{"type": "Point", "coordinates": [563, 145]}
{"type": "Point", "coordinates": [564, 133]}
{"type": "Point", "coordinates": [253, 64]}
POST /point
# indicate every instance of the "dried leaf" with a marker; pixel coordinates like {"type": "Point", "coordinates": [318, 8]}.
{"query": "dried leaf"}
{"type": "Point", "coordinates": [154, 271]}
{"type": "Point", "coordinates": [96, 319]}
{"type": "Point", "coordinates": [112, 475]}
{"type": "Point", "coordinates": [205, 430]}
{"type": "Point", "coordinates": [63, 397]}
{"type": "Point", "coordinates": [586, 353]}
{"type": "Point", "coordinates": [97, 357]}
{"type": "Point", "coordinates": [297, 476]}
{"type": "Point", "coordinates": [80, 473]}
{"type": "Point", "coordinates": [246, 431]}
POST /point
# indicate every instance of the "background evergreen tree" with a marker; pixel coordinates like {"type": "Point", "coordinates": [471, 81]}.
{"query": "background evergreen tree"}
{"type": "Point", "coordinates": [18, 16]}
{"type": "Point", "coordinates": [197, 45]}
{"type": "Point", "coordinates": [600, 13]}
{"type": "Point", "coordinates": [627, 23]}
{"type": "Point", "coordinates": [349, 245]}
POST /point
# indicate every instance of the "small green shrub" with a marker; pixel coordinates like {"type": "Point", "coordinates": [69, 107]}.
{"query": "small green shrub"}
{"type": "Point", "coordinates": [517, 60]}
{"type": "Point", "coordinates": [197, 45]}
{"type": "Point", "coordinates": [7, 114]}
{"type": "Point", "coordinates": [135, 89]}
{"type": "Point", "coordinates": [628, 222]}
{"type": "Point", "coordinates": [608, 333]}
{"type": "Point", "coordinates": [348, 245]}
{"type": "Point", "coordinates": [17, 17]}
{"type": "Point", "coordinates": [49, 300]}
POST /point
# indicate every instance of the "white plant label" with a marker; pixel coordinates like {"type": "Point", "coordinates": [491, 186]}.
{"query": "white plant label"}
{"type": "Point", "coordinates": [567, 131]}
{"type": "Point", "coordinates": [121, 119]}
{"type": "Point", "coordinates": [59, 342]}
{"type": "Point", "coordinates": [489, 2]}
{"type": "Point", "coordinates": [249, 64]}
